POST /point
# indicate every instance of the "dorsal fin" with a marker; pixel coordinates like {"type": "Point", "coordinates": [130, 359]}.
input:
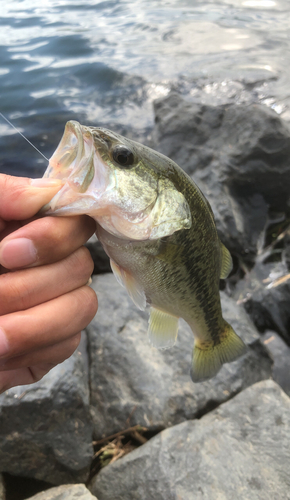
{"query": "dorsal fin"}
{"type": "Point", "coordinates": [227, 263]}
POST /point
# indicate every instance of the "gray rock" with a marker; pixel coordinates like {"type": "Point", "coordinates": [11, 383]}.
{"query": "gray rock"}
{"type": "Point", "coordinates": [65, 492]}
{"type": "Point", "coordinates": [2, 489]}
{"type": "Point", "coordinates": [266, 297]}
{"type": "Point", "coordinates": [280, 353]}
{"type": "Point", "coordinates": [239, 157]}
{"type": "Point", "coordinates": [241, 450]}
{"type": "Point", "coordinates": [134, 383]}
{"type": "Point", "coordinates": [46, 429]}
{"type": "Point", "coordinates": [99, 256]}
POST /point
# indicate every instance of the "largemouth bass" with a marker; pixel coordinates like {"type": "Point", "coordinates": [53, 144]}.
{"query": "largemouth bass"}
{"type": "Point", "coordinates": [158, 230]}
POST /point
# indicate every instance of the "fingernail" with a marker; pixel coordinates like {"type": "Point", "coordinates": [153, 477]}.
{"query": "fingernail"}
{"type": "Point", "coordinates": [16, 253]}
{"type": "Point", "coordinates": [45, 183]}
{"type": "Point", "coordinates": [4, 346]}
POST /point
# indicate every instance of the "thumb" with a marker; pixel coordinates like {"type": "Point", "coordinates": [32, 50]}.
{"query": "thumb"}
{"type": "Point", "coordinates": [21, 198]}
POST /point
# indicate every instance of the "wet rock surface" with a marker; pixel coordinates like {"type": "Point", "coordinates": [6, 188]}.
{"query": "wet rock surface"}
{"type": "Point", "coordinates": [239, 157]}
{"type": "Point", "coordinates": [46, 428]}
{"type": "Point", "coordinates": [134, 383]}
{"type": "Point", "coordinates": [65, 492]}
{"type": "Point", "coordinates": [240, 450]}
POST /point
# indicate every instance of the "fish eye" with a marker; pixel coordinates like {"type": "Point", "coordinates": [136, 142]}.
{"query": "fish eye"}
{"type": "Point", "coordinates": [123, 156]}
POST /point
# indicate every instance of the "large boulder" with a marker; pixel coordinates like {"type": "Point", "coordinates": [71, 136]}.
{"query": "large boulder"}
{"type": "Point", "coordinates": [46, 428]}
{"type": "Point", "coordinates": [238, 155]}
{"type": "Point", "coordinates": [240, 450]}
{"type": "Point", "coordinates": [280, 354]}
{"type": "Point", "coordinates": [133, 383]}
{"type": "Point", "coordinates": [65, 492]}
{"type": "Point", "coordinates": [265, 294]}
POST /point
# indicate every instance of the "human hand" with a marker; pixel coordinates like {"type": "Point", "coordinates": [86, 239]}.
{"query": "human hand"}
{"type": "Point", "coordinates": [44, 303]}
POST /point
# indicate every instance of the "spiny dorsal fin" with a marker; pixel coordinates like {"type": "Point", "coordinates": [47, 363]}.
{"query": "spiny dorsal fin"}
{"type": "Point", "coordinates": [163, 329]}
{"type": "Point", "coordinates": [207, 360]}
{"type": "Point", "coordinates": [227, 263]}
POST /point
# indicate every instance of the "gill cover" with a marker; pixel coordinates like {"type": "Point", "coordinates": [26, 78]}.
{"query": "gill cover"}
{"type": "Point", "coordinates": [170, 213]}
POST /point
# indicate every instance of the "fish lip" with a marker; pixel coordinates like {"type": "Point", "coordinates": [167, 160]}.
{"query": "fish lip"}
{"type": "Point", "coordinates": [77, 162]}
{"type": "Point", "coordinates": [67, 145]}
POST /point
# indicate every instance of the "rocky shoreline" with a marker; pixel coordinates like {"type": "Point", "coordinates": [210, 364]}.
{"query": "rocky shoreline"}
{"type": "Point", "coordinates": [224, 438]}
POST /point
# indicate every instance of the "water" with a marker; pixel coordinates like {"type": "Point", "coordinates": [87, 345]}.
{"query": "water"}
{"type": "Point", "coordinates": [104, 62]}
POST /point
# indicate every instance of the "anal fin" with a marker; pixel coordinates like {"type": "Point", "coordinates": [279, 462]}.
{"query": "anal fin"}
{"type": "Point", "coordinates": [163, 329]}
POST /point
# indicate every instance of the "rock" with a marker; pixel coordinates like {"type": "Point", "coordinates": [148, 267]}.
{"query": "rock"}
{"type": "Point", "coordinates": [46, 428]}
{"type": "Point", "coordinates": [99, 256]}
{"type": "Point", "coordinates": [133, 383]}
{"type": "Point", "coordinates": [240, 450]}
{"type": "Point", "coordinates": [2, 489]}
{"type": "Point", "coordinates": [239, 157]}
{"type": "Point", "coordinates": [65, 492]}
{"type": "Point", "coordinates": [265, 294]}
{"type": "Point", "coordinates": [280, 353]}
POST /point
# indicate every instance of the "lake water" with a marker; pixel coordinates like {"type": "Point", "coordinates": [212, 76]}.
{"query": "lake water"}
{"type": "Point", "coordinates": [104, 62]}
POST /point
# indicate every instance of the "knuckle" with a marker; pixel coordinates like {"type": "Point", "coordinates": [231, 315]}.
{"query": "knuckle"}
{"type": "Point", "coordinates": [38, 372]}
{"type": "Point", "coordinates": [73, 345]}
{"type": "Point", "coordinates": [82, 262]}
{"type": "Point", "coordinates": [89, 302]}
{"type": "Point", "coordinates": [14, 290]}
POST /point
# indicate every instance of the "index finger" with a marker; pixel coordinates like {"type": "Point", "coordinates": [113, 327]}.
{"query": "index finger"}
{"type": "Point", "coordinates": [21, 197]}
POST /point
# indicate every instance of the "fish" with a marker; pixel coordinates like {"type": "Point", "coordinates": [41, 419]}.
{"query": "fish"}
{"type": "Point", "coordinates": [159, 232]}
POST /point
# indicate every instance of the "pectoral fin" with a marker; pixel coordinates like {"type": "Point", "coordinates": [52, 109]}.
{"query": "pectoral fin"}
{"type": "Point", "coordinates": [163, 329]}
{"type": "Point", "coordinates": [128, 281]}
{"type": "Point", "coordinates": [117, 272]}
{"type": "Point", "coordinates": [227, 263]}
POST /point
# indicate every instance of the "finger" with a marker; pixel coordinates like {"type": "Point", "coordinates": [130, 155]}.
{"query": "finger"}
{"type": "Point", "coordinates": [27, 288]}
{"type": "Point", "coordinates": [31, 373]}
{"type": "Point", "coordinates": [45, 240]}
{"type": "Point", "coordinates": [46, 358]}
{"type": "Point", "coordinates": [21, 198]}
{"type": "Point", "coordinates": [46, 324]}
{"type": "Point", "coordinates": [9, 228]}
{"type": "Point", "coordinates": [22, 376]}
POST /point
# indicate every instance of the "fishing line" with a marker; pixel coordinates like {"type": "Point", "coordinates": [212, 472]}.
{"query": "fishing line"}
{"type": "Point", "coordinates": [6, 119]}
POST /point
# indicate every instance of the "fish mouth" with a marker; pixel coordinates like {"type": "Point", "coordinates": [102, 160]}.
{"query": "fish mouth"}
{"type": "Point", "coordinates": [77, 163]}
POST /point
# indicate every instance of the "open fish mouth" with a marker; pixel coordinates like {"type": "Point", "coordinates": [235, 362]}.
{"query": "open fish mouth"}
{"type": "Point", "coordinates": [85, 175]}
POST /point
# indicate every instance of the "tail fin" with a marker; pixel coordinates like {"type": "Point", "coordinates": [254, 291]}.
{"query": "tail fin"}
{"type": "Point", "coordinates": [206, 362]}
